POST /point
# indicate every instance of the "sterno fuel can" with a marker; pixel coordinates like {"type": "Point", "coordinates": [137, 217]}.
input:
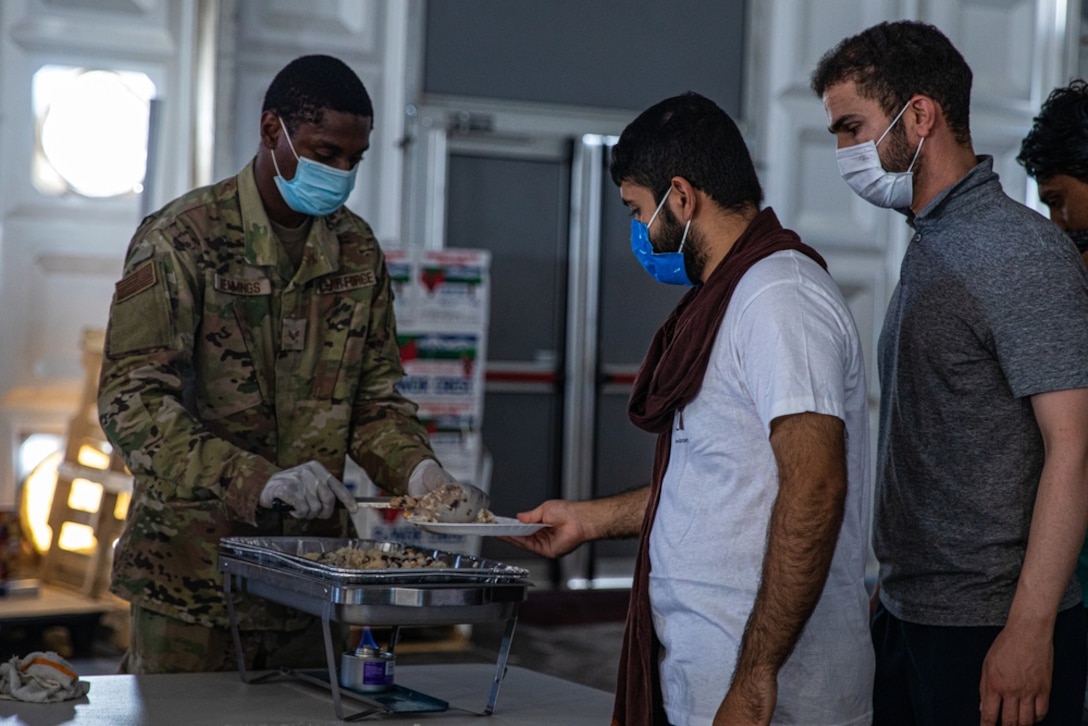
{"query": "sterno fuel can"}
{"type": "Point", "coordinates": [367, 669]}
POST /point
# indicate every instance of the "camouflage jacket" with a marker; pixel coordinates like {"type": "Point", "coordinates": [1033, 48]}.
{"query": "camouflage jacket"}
{"type": "Point", "coordinates": [223, 364]}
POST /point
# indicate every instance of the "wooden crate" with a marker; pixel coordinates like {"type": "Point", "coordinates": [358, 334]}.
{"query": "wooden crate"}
{"type": "Point", "coordinates": [87, 570]}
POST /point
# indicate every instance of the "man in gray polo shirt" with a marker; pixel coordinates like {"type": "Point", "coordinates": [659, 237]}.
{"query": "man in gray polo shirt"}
{"type": "Point", "coordinates": [982, 469]}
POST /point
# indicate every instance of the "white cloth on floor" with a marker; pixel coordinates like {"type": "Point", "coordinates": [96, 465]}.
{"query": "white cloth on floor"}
{"type": "Point", "coordinates": [41, 677]}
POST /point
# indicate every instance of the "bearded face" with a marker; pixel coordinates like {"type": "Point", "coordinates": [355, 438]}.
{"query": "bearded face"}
{"type": "Point", "coordinates": [670, 233]}
{"type": "Point", "coordinates": [898, 153]}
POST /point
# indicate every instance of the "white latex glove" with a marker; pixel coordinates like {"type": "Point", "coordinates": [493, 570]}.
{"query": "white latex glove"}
{"type": "Point", "coordinates": [308, 489]}
{"type": "Point", "coordinates": [429, 476]}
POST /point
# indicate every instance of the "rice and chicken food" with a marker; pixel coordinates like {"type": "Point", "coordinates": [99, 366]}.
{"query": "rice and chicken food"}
{"type": "Point", "coordinates": [353, 558]}
{"type": "Point", "coordinates": [446, 498]}
{"type": "Point", "coordinates": [422, 509]}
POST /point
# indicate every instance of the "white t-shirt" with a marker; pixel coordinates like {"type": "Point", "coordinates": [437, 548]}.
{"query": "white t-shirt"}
{"type": "Point", "coordinates": [787, 344]}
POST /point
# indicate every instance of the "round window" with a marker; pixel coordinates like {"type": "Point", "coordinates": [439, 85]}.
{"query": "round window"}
{"type": "Point", "coordinates": [92, 131]}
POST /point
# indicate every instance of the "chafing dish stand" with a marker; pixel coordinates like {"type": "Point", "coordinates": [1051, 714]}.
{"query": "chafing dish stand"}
{"type": "Point", "coordinates": [452, 598]}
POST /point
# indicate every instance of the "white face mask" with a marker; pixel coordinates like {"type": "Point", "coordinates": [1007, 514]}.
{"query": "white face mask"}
{"type": "Point", "coordinates": [860, 167]}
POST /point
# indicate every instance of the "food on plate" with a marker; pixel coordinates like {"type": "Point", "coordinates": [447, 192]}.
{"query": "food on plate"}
{"type": "Point", "coordinates": [436, 506]}
{"type": "Point", "coordinates": [353, 558]}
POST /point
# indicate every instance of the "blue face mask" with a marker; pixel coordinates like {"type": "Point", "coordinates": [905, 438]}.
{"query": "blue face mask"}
{"type": "Point", "coordinates": [316, 189]}
{"type": "Point", "coordinates": [666, 267]}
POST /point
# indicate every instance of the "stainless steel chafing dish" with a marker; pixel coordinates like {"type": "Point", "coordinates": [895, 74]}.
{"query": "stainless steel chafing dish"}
{"type": "Point", "coordinates": [466, 589]}
{"type": "Point", "coordinates": [300, 554]}
{"type": "Point", "coordinates": [456, 588]}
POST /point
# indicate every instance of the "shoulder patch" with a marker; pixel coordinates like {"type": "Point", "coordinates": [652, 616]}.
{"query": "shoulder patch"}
{"type": "Point", "coordinates": [135, 282]}
{"type": "Point", "coordinates": [339, 283]}
{"type": "Point", "coordinates": [239, 286]}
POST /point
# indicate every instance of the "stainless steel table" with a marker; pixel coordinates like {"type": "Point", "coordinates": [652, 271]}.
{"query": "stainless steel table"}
{"type": "Point", "coordinates": [219, 699]}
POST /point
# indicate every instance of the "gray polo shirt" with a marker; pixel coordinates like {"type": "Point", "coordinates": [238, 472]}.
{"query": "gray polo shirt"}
{"type": "Point", "coordinates": [991, 308]}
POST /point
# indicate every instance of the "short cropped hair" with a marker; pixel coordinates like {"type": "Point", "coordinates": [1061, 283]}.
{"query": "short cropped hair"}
{"type": "Point", "coordinates": [691, 137]}
{"type": "Point", "coordinates": [1058, 140]}
{"type": "Point", "coordinates": [310, 85]}
{"type": "Point", "coordinates": [892, 61]}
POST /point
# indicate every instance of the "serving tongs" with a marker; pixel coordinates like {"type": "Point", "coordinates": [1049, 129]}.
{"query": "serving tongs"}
{"type": "Point", "coordinates": [368, 502]}
{"type": "Point", "coordinates": [460, 510]}
{"type": "Point", "coordinates": [377, 503]}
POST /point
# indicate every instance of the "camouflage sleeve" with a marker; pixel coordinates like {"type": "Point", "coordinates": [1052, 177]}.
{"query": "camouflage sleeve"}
{"type": "Point", "coordinates": [153, 321]}
{"type": "Point", "coordinates": [387, 437]}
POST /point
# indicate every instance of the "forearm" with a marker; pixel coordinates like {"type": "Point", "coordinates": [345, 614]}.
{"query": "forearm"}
{"type": "Point", "coordinates": [1018, 671]}
{"type": "Point", "coordinates": [800, 545]}
{"type": "Point", "coordinates": [1058, 525]}
{"type": "Point", "coordinates": [802, 533]}
{"type": "Point", "coordinates": [388, 442]}
{"type": "Point", "coordinates": [165, 447]}
{"type": "Point", "coordinates": [618, 516]}
{"type": "Point", "coordinates": [1060, 514]}
{"type": "Point", "coordinates": [575, 523]}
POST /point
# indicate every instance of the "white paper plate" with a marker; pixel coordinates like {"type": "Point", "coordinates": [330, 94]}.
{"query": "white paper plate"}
{"type": "Point", "coordinates": [501, 527]}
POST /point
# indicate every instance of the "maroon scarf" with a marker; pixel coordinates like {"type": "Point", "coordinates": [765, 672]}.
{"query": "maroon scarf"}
{"type": "Point", "coordinates": [670, 376]}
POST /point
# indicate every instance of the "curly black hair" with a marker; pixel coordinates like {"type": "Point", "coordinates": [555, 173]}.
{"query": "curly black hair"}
{"type": "Point", "coordinates": [1058, 140]}
{"type": "Point", "coordinates": [892, 61]}
{"type": "Point", "coordinates": [311, 84]}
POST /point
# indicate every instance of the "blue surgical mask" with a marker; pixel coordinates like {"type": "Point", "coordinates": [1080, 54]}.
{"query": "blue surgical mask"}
{"type": "Point", "coordinates": [666, 267]}
{"type": "Point", "coordinates": [317, 189]}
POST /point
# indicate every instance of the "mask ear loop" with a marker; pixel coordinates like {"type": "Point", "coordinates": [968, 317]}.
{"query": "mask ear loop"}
{"type": "Point", "coordinates": [654, 216]}
{"type": "Point", "coordinates": [292, 146]}
{"type": "Point", "coordinates": [684, 238]}
{"type": "Point", "coordinates": [890, 126]}
{"type": "Point", "coordinates": [656, 211]}
{"type": "Point", "coordinates": [275, 163]}
{"type": "Point", "coordinates": [916, 153]}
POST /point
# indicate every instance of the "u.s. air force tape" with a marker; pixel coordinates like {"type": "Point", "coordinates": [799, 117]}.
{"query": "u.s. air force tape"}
{"type": "Point", "coordinates": [350, 281]}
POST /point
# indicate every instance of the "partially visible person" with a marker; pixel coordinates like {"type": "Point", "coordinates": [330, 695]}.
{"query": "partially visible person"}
{"type": "Point", "coordinates": [749, 604]}
{"type": "Point", "coordinates": [251, 347]}
{"type": "Point", "coordinates": [1055, 155]}
{"type": "Point", "coordinates": [982, 471]}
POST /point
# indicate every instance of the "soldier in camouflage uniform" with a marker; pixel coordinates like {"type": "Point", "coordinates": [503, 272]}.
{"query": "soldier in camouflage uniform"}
{"type": "Point", "coordinates": [251, 347]}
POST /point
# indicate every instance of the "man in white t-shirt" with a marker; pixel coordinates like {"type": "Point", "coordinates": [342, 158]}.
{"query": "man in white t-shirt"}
{"type": "Point", "coordinates": [749, 604]}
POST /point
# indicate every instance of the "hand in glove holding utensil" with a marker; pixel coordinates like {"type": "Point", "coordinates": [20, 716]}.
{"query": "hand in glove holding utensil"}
{"type": "Point", "coordinates": [308, 491]}
{"type": "Point", "coordinates": [447, 499]}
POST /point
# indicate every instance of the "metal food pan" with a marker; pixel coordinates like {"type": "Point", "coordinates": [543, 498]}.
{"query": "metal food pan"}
{"type": "Point", "coordinates": [378, 604]}
{"type": "Point", "coordinates": [394, 597]}
{"type": "Point", "coordinates": [289, 553]}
